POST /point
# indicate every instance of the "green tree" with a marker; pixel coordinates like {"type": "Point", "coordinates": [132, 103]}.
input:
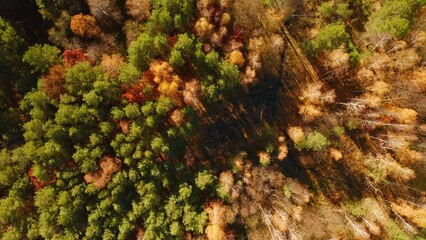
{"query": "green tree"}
{"type": "Point", "coordinates": [10, 51]}
{"type": "Point", "coordinates": [11, 45]}
{"type": "Point", "coordinates": [393, 18]}
{"type": "Point", "coordinates": [344, 11]}
{"type": "Point", "coordinates": [204, 180]}
{"type": "Point", "coordinates": [168, 16]}
{"type": "Point", "coordinates": [326, 9]}
{"type": "Point", "coordinates": [145, 48]}
{"type": "Point", "coordinates": [159, 145]}
{"type": "Point", "coordinates": [395, 26]}
{"type": "Point", "coordinates": [193, 221]}
{"type": "Point", "coordinates": [42, 57]}
{"type": "Point", "coordinates": [14, 164]}
{"type": "Point", "coordinates": [163, 105]}
{"type": "Point", "coordinates": [81, 77]}
{"type": "Point", "coordinates": [329, 37]}
{"type": "Point", "coordinates": [132, 111]}
{"type": "Point", "coordinates": [182, 50]}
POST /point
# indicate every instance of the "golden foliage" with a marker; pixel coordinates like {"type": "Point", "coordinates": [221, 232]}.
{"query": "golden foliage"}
{"type": "Point", "coordinates": [236, 57]}
{"type": "Point", "coordinates": [215, 232]}
{"type": "Point", "coordinates": [111, 64]}
{"type": "Point", "coordinates": [403, 115]}
{"type": "Point", "coordinates": [257, 44]}
{"type": "Point", "coordinates": [84, 26]}
{"type": "Point", "coordinates": [225, 19]}
{"type": "Point", "coordinates": [249, 77]}
{"type": "Point", "coordinates": [139, 9]}
{"type": "Point", "coordinates": [379, 88]}
{"type": "Point", "coordinates": [418, 39]}
{"type": "Point", "coordinates": [310, 112]}
{"type": "Point", "coordinates": [416, 216]}
{"type": "Point", "coordinates": [296, 134]}
{"type": "Point", "coordinates": [124, 126]}
{"type": "Point", "coordinates": [168, 82]}
{"type": "Point", "coordinates": [280, 221]}
{"type": "Point", "coordinates": [418, 79]}
{"type": "Point", "coordinates": [405, 59]}
{"type": "Point", "coordinates": [336, 154]}
{"type": "Point", "coordinates": [100, 179]}
{"type": "Point", "coordinates": [191, 94]}
{"type": "Point", "coordinates": [264, 158]}
{"type": "Point", "coordinates": [282, 151]}
{"type": "Point", "coordinates": [217, 213]}
{"type": "Point", "coordinates": [226, 181]}
{"type": "Point", "coordinates": [273, 20]}
{"type": "Point", "coordinates": [365, 75]}
{"type": "Point", "coordinates": [282, 148]}
{"type": "Point", "coordinates": [177, 118]}
{"type": "Point", "coordinates": [203, 28]}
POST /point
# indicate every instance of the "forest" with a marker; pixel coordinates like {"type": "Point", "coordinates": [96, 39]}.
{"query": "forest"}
{"type": "Point", "coordinates": [213, 119]}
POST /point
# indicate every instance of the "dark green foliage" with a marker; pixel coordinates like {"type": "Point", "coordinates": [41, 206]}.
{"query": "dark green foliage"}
{"type": "Point", "coordinates": [10, 128]}
{"type": "Point", "coordinates": [12, 72]}
{"type": "Point", "coordinates": [51, 9]}
{"type": "Point", "coordinates": [60, 32]}
{"type": "Point", "coordinates": [10, 45]}
{"type": "Point", "coordinates": [331, 10]}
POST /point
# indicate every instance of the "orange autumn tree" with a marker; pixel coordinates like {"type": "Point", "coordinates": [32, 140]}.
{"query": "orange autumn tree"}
{"type": "Point", "coordinates": [84, 26]}
{"type": "Point", "coordinates": [53, 83]}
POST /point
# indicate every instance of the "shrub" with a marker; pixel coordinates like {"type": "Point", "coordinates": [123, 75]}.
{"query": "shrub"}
{"type": "Point", "coordinates": [314, 141]}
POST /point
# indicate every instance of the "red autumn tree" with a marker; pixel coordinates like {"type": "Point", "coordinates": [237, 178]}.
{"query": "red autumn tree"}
{"type": "Point", "coordinates": [73, 56]}
{"type": "Point", "coordinates": [141, 91]}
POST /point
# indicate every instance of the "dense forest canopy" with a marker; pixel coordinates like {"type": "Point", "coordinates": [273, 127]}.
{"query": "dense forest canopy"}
{"type": "Point", "coordinates": [213, 119]}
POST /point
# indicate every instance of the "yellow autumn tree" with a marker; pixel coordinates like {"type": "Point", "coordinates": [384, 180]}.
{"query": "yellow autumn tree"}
{"type": "Point", "coordinates": [168, 82]}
